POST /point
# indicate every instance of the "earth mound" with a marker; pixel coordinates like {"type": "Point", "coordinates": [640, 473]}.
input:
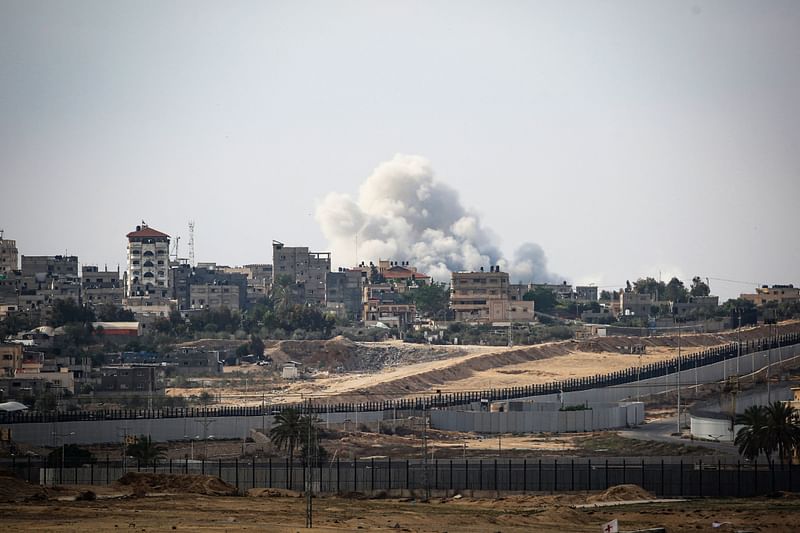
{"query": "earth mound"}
{"type": "Point", "coordinates": [14, 489]}
{"type": "Point", "coordinates": [621, 493]}
{"type": "Point", "coordinates": [142, 483]}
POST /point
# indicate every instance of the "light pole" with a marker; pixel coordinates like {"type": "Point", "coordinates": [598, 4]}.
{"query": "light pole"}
{"type": "Point", "coordinates": [63, 452]}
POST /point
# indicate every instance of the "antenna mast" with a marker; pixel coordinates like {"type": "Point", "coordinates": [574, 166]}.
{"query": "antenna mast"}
{"type": "Point", "coordinates": [175, 249]}
{"type": "Point", "coordinates": [191, 242]}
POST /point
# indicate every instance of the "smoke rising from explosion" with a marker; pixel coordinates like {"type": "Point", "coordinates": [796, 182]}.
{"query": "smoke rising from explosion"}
{"type": "Point", "coordinates": [402, 213]}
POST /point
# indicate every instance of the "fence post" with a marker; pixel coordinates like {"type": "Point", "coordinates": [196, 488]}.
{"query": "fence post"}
{"type": "Point", "coordinates": [496, 478]}
{"type": "Point", "coordinates": [772, 475]}
{"type": "Point", "coordinates": [662, 478]}
{"type": "Point", "coordinates": [642, 475]}
{"type": "Point", "coordinates": [170, 465]}
{"type": "Point", "coordinates": [466, 474]}
{"type": "Point", "coordinates": [338, 476]}
{"type": "Point", "coordinates": [219, 466]}
{"type": "Point", "coordinates": [203, 466]}
{"type": "Point", "coordinates": [436, 474]}
{"type": "Point", "coordinates": [700, 476]}
{"type": "Point", "coordinates": [372, 474]}
{"type": "Point", "coordinates": [524, 475]}
{"type": "Point", "coordinates": [624, 472]}
{"type": "Point", "coordinates": [555, 475]}
{"type": "Point", "coordinates": [480, 474]}
{"type": "Point", "coordinates": [408, 481]}
{"type": "Point", "coordinates": [572, 475]}
{"type": "Point", "coordinates": [108, 474]}
{"type": "Point", "coordinates": [589, 474]}
{"type": "Point", "coordinates": [389, 473]}
{"type": "Point", "coordinates": [451, 474]}
{"type": "Point", "coordinates": [253, 473]}
{"type": "Point", "coordinates": [680, 491]}
{"type": "Point", "coordinates": [91, 473]}
{"type": "Point", "coordinates": [236, 465]}
{"type": "Point", "coordinates": [755, 477]}
{"type": "Point", "coordinates": [509, 475]}
{"type": "Point", "coordinates": [29, 469]}
{"type": "Point", "coordinates": [269, 467]}
{"type": "Point", "coordinates": [540, 475]}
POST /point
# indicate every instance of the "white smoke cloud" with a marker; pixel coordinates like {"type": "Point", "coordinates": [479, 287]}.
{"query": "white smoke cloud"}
{"type": "Point", "coordinates": [404, 214]}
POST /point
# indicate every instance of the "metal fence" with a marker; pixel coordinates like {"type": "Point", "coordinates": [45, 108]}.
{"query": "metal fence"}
{"type": "Point", "coordinates": [665, 477]}
{"type": "Point", "coordinates": [629, 375]}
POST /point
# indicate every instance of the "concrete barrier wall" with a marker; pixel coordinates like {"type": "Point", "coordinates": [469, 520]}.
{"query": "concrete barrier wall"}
{"type": "Point", "coordinates": [160, 429]}
{"type": "Point", "coordinates": [236, 427]}
{"type": "Point", "coordinates": [537, 421]}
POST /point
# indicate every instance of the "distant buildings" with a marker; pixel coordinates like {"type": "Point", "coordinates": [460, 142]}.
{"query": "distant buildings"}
{"type": "Point", "coordinates": [148, 263]}
{"type": "Point", "coordinates": [306, 270]}
{"type": "Point", "coordinates": [776, 294]}
{"type": "Point", "coordinates": [487, 297]}
{"type": "Point", "coordinates": [101, 287]}
{"type": "Point", "coordinates": [635, 304]}
{"type": "Point", "coordinates": [9, 255]}
{"type": "Point", "coordinates": [343, 292]}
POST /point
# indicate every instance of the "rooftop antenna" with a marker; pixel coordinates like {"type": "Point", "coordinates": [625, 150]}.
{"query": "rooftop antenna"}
{"type": "Point", "coordinates": [175, 249]}
{"type": "Point", "coordinates": [1, 233]}
{"type": "Point", "coordinates": [191, 242]}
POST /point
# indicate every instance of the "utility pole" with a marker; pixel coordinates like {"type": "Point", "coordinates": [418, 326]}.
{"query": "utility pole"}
{"type": "Point", "coordinates": [678, 377]}
{"type": "Point", "coordinates": [425, 450]}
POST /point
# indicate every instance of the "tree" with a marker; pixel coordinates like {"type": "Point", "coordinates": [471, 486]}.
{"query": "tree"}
{"type": "Point", "coordinates": [751, 439]}
{"type": "Point", "coordinates": [699, 288]}
{"type": "Point", "coordinates": [256, 346]}
{"type": "Point", "coordinates": [431, 300]}
{"type": "Point", "coordinates": [145, 451]}
{"type": "Point", "coordinates": [67, 311]}
{"type": "Point", "coordinates": [73, 456]}
{"type": "Point", "coordinates": [770, 429]}
{"type": "Point", "coordinates": [675, 291]}
{"type": "Point", "coordinates": [783, 430]}
{"type": "Point", "coordinates": [285, 433]}
{"type": "Point", "coordinates": [544, 300]}
{"type": "Point", "coordinates": [114, 313]}
{"type": "Point", "coordinates": [282, 291]}
{"type": "Point", "coordinates": [605, 295]}
{"type": "Point", "coordinates": [649, 286]}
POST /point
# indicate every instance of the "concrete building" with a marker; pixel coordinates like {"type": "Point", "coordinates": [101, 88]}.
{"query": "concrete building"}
{"type": "Point", "coordinates": [127, 380]}
{"type": "Point", "coordinates": [101, 287]}
{"type": "Point", "coordinates": [634, 304]}
{"type": "Point", "coordinates": [306, 269]}
{"type": "Point", "coordinates": [563, 291]}
{"type": "Point", "coordinates": [343, 292]}
{"type": "Point", "coordinates": [586, 293]}
{"type": "Point", "coordinates": [775, 294]}
{"type": "Point", "coordinates": [384, 304]}
{"type": "Point", "coordinates": [480, 296]}
{"type": "Point", "coordinates": [10, 359]}
{"type": "Point", "coordinates": [214, 296]}
{"type": "Point", "coordinates": [148, 263]}
{"type": "Point", "coordinates": [695, 305]}
{"type": "Point", "coordinates": [9, 255]}
{"type": "Point", "coordinates": [44, 268]}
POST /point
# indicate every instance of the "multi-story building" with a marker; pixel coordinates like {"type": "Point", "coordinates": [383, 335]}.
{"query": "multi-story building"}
{"type": "Point", "coordinates": [635, 304]}
{"type": "Point", "coordinates": [696, 304]}
{"type": "Point", "coordinates": [10, 359]}
{"type": "Point", "coordinates": [777, 294]}
{"type": "Point", "coordinates": [148, 263]}
{"type": "Point", "coordinates": [382, 303]}
{"type": "Point", "coordinates": [306, 269]}
{"type": "Point", "coordinates": [586, 293]}
{"type": "Point", "coordinates": [131, 380]}
{"type": "Point", "coordinates": [100, 287]}
{"type": "Point", "coordinates": [563, 291]}
{"type": "Point", "coordinates": [9, 255]}
{"type": "Point", "coordinates": [480, 296]}
{"type": "Point", "coordinates": [343, 292]}
{"type": "Point", "coordinates": [46, 268]}
{"type": "Point", "coordinates": [214, 296]}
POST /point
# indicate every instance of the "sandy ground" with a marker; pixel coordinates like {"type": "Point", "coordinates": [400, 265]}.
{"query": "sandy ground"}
{"type": "Point", "coordinates": [284, 514]}
{"type": "Point", "coordinates": [472, 371]}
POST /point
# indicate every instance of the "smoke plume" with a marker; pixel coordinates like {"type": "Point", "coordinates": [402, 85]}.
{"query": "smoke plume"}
{"type": "Point", "coordinates": [404, 214]}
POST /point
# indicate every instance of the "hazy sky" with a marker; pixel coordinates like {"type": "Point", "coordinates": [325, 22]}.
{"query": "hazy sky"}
{"type": "Point", "coordinates": [626, 138]}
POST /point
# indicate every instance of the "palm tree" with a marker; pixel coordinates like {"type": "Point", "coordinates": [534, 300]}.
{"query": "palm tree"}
{"type": "Point", "coordinates": [783, 430]}
{"type": "Point", "coordinates": [145, 451]}
{"type": "Point", "coordinates": [285, 433]}
{"type": "Point", "coordinates": [751, 439]}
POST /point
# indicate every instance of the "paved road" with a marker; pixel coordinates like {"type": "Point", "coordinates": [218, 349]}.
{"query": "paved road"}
{"type": "Point", "coordinates": [661, 431]}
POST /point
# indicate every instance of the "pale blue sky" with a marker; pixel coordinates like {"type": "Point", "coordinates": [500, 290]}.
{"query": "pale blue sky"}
{"type": "Point", "coordinates": [624, 137]}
